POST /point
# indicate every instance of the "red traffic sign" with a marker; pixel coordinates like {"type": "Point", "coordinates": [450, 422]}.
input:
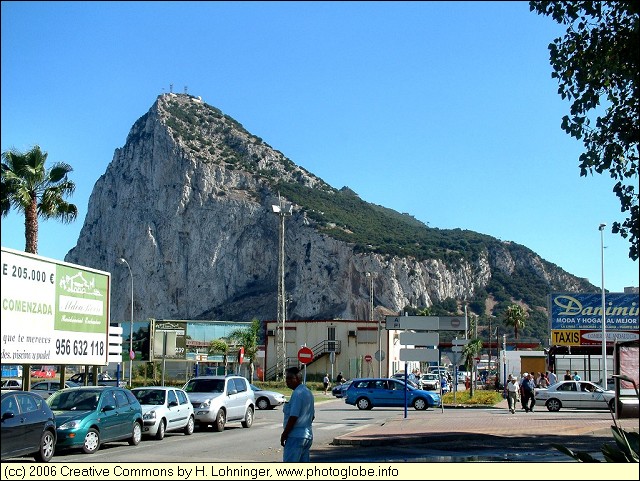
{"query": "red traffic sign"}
{"type": "Point", "coordinates": [368, 358]}
{"type": "Point", "coordinates": [305, 355]}
{"type": "Point", "coordinates": [241, 355]}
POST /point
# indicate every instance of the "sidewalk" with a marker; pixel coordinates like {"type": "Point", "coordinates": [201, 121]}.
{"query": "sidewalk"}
{"type": "Point", "coordinates": [456, 423]}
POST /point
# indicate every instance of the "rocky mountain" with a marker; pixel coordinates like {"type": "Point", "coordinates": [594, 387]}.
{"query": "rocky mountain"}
{"type": "Point", "coordinates": [187, 201]}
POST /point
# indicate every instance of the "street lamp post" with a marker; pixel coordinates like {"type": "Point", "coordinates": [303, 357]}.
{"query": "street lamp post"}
{"type": "Point", "coordinates": [604, 323]}
{"type": "Point", "coordinates": [281, 210]}
{"type": "Point", "coordinates": [379, 356]}
{"type": "Point", "coordinates": [122, 260]}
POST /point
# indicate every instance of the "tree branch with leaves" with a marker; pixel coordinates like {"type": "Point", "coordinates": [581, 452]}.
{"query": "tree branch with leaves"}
{"type": "Point", "coordinates": [597, 66]}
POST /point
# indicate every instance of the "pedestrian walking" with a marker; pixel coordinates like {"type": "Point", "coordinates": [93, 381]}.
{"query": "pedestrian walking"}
{"type": "Point", "coordinates": [528, 393]}
{"type": "Point", "coordinates": [567, 375]}
{"type": "Point", "coordinates": [551, 376]}
{"type": "Point", "coordinates": [326, 383]}
{"type": "Point", "coordinates": [542, 381]}
{"type": "Point", "coordinates": [299, 413]}
{"type": "Point", "coordinates": [576, 376]}
{"type": "Point", "coordinates": [513, 393]}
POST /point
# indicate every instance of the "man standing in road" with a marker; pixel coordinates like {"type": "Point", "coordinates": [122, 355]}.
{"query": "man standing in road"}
{"type": "Point", "coordinates": [299, 413]}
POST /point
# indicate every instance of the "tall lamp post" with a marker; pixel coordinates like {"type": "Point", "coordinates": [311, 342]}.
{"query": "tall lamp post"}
{"type": "Point", "coordinates": [604, 328]}
{"type": "Point", "coordinates": [370, 276]}
{"type": "Point", "coordinates": [281, 210]}
{"type": "Point", "coordinates": [122, 260]}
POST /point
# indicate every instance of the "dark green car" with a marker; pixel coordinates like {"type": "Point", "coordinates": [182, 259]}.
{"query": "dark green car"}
{"type": "Point", "coordinates": [88, 416]}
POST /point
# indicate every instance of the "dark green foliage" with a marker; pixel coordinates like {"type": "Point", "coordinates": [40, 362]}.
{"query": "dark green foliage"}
{"type": "Point", "coordinates": [597, 66]}
{"type": "Point", "coordinates": [624, 451]}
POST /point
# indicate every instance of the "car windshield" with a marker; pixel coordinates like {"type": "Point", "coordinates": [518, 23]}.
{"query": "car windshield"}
{"type": "Point", "coordinates": [154, 397]}
{"type": "Point", "coordinates": [255, 388]}
{"type": "Point", "coordinates": [205, 385]}
{"type": "Point", "coordinates": [74, 400]}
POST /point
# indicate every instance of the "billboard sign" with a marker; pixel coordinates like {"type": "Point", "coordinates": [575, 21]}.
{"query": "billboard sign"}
{"type": "Point", "coordinates": [53, 312]}
{"type": "Point", "coordinates": [169, 340]}
{"type": "Point", "coordinates": [576, 319]}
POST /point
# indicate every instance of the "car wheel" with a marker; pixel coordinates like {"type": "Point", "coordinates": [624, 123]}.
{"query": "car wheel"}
{"type": "Point", "coordinates": [161, 430]}
{"type": "Point", "coordinates": [612, 405]}
{"type": "Point", "coordinates": [363, 403]}
{"type": "Point", "coordinates": [420, 404]}
{"type": "Point", "coordinates": [248, 418]}
{"type": "Point", "coordinates": [136, 434]}
{"type": "Point", "coordinates": [262, 403]}
{"type": "Point", "coordinates": [189, 428]}
{"type": "Point", "coordinates": [221, 420]}
{"type": "Point", "coordinates": [47, 447]}
{"type": "Point", "coordinates": [553, 405]}
{"type": "Point", "coordinates": [91, 441]}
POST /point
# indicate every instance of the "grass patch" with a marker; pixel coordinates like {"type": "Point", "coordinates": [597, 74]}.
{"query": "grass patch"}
{"type": "Point", "coordinates": [485, 398]}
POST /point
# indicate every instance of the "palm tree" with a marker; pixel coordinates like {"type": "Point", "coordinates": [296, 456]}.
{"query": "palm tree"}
{"type": "Point", "coordinates": [37, 191]}
{"type": "Point", "coordinates": [220, 346]}
{"type": "Point", "coordinates": [515, 316]}
{"type": "Point", "coordinates": [248, 338]}
{"type": "Point", "coordinates": [471, 350]}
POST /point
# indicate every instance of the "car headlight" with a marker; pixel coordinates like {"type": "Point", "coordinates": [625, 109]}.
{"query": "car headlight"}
{"type": "Point", "coordinates": [205, 404]}
{"type": "Point", "coordinates": [70, 425]}
{"type": "Point", "coordinates": [151, 415]}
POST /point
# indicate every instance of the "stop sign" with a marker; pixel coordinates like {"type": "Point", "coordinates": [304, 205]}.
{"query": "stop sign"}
{"type": "Point", "coordinates": [368, 358]}
{"type": "Point", "coordinates": [305, 355]}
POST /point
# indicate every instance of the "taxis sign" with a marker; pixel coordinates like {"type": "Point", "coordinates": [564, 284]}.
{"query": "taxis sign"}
{"type": "Point", "coordinates": [565, 338]}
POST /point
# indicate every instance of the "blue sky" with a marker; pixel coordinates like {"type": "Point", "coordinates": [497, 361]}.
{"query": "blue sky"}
{"type": "Point", "coordinates": [444, 110]}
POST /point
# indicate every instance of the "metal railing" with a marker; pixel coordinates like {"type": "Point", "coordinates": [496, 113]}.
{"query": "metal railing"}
{"type": "Point", "coordinates": [321, 349]}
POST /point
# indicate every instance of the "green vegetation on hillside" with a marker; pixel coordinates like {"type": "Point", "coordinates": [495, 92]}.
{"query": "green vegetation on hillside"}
{"type": "Point", "coordinates": [342, 215]}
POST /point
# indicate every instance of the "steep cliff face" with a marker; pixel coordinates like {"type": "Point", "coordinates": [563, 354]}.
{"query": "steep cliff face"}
{"type": "Point", "coordinates": [188, 202]}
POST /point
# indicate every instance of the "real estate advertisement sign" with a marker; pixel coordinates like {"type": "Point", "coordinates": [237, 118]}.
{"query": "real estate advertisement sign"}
{"type": "Point", "coordinates": [576, 319]}
{"type": "Point", "coordinates": [53, 312]}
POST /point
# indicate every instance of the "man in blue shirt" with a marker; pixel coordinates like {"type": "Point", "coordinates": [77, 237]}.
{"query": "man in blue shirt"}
{"type": "Point", "coordinates": [299, 413]}
{"type": "Point", "coordinates": [528, 393]}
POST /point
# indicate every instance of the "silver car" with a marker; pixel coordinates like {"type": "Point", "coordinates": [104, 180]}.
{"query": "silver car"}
{"type": "Point", "coordinates": [575, 394]}
{"type": "Point", "coordinates": [267, 399]}
{"type": "Point", "coordinates": [218, 399]}
{"type": "Point", "coordinates": [45, 389]}
{"type": "Point", "coordinates": [164, 409]}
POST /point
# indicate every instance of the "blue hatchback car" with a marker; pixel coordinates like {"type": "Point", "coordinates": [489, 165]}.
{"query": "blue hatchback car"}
{"type": "Point", "coordinates": [382, 392]}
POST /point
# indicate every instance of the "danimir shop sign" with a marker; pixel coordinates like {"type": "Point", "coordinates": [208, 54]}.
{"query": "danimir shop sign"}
{"type": "Point", "coordinates": [53, 312]}
{"type": "Point", "coordinates": [576, 319]}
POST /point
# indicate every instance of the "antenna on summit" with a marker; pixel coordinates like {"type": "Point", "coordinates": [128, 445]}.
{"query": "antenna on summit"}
{"type": "Point", "coordinates": [170, 88]}
{"type": "Point", "coordinates": [185, 90]}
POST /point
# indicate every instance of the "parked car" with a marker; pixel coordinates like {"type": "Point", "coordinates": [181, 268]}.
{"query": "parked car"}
{"type": "Point", "coordinates": [88, 416]}
{"type": "Point", "coordinates": [45, 372]}
{"type": "Point", "coordinates": [219, 399]}
{"type": "Point", "coordinates": [379, 392]}
{"type": "Point", "coordinates": [340, 390]}
{"type": "Point", "coordinates": [400, 376]}
{"type": "Point", "coordinates": [575, 394]}
{"type": "Point", "coordinates": [164, 409]}
{"type": "Point", "coordinates": [430, 382]}
{"type": "Point", "coordinates": [47, 388]}
{"type": "Point", "coordinates": [103, 379]}
{"type": "Point", "coordinates": [28, 426]}
{"type": "Point", "coordinates": [267, 399]}
{"type": "Point", "coordinates": [14, 384]}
